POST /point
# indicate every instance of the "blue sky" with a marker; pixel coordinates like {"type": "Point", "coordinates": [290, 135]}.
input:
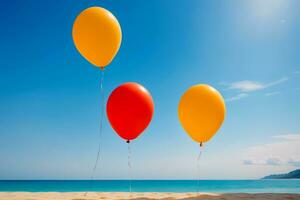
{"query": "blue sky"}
{"type": "Point", "coordinates": [50, 95]}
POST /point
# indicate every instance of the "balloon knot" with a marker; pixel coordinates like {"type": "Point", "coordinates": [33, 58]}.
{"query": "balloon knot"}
{"type": "Point", "coordinates": [201, 144]}
{"type": "Point", "coordinates": [128, 141]}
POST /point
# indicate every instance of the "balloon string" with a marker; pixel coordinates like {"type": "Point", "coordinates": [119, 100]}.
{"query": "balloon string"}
{"type": "Point", "coordinates": [198, 167]}
{"type": "Point", "coordinates": [129, 165]}
{"type": "Point", "coordinates": [100, 130]}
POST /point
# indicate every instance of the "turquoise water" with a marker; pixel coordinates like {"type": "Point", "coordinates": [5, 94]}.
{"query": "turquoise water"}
{"type": "Point", "coordinates": [250, 186]}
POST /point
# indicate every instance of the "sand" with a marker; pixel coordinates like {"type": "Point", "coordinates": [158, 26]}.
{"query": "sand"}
{"type": "Point", "coordinates": [139, 196]}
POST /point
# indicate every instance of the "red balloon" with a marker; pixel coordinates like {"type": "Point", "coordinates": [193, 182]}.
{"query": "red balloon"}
{"type": "Point", "coordinates": [130, 109]}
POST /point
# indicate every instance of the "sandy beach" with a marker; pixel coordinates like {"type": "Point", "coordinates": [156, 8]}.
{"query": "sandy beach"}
{"type": "Point", "coordinates": [139, 196]}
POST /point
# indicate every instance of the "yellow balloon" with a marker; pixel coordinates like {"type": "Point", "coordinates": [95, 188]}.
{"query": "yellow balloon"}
{"type": "Point", "coordinates": [201, 112]}
{"type": "Point", "coordinates": [97, 35]}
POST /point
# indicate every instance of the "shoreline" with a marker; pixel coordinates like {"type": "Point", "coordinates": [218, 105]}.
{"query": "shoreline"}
{"type": "Point", "coordinates": [142, 196]}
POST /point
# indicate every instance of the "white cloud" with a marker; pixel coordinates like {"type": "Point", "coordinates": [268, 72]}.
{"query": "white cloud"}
{"type": "Point", "coordinates": [249, 86]}
{"type": "Point", "coordinates": [294, 162]}
{"type": "Point", "coordinates": [246, 86]}
{"type": "Point", "coordinates": [237, 97]}
{"type": "Point", "coordinates": [248, 162]}
{"type": "Point", "coordinates": [274, 161]}
{"type": "Point", "coordinates": [279, 81]}
{"type": "Point", "coordinates": [288, 137]}
{"type": "Point", "coordinates": [282, 150]}
{"type": "Point", "coordinates": [272, 93]}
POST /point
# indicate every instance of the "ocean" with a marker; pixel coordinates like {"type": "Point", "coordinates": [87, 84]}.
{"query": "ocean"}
{"type": "Point", "coordinates": [214, 186]}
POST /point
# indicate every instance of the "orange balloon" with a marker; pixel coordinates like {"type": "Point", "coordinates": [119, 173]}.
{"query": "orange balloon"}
{"type": "Point", "coordinates": [97, 35]}
{"type": "Point", "coordinates": [201, 112]}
